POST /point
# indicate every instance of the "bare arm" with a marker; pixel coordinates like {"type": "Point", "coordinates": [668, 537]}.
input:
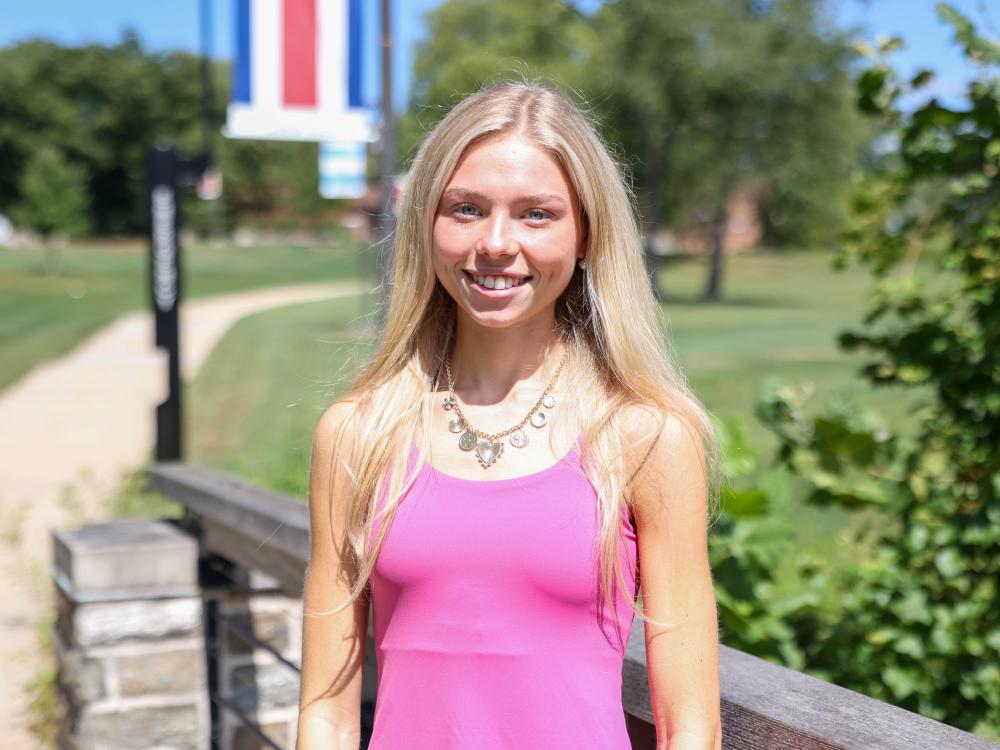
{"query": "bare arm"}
{"type": "Point", "coordinates": [333, 646]}
{"type": "Point", "coordinates": [670, 488]}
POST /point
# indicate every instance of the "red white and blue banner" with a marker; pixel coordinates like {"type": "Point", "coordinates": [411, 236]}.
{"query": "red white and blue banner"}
{"type": "Point", "coordinates": [297, 71]}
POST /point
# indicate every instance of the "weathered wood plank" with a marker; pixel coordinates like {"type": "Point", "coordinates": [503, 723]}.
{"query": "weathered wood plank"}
{"type": "Point", "coordinates": [271, 519]}
{"type": "Point", "coordinates": [767, 706]}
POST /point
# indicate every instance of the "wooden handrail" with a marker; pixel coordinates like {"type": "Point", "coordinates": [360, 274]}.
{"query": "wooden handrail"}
{"type": "Point", "coordinates": [764, 705]}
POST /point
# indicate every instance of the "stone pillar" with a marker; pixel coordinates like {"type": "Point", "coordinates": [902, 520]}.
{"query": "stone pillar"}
{"type": "Point", "coordinates": [259, 634]}
{"type": "Point", "coordinates": [130, 645]}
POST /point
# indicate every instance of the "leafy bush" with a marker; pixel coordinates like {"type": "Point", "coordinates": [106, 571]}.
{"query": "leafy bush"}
{"type": "Point", "coordinates": [919, 622]}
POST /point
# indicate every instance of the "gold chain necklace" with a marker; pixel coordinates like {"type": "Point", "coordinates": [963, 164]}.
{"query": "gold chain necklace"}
{"type": "Point", "coordinates": [489, 447]}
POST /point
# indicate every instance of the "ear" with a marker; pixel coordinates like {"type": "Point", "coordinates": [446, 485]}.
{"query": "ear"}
{"type": "Point", "coordinates": [584, 234]}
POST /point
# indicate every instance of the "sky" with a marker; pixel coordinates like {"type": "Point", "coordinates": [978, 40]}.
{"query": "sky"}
{"type": "Point", "coordinates": [173, 24]}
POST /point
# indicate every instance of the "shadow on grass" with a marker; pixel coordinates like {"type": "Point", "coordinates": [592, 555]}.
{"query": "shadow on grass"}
{"type": "Point", "coordinates": [730, 300]}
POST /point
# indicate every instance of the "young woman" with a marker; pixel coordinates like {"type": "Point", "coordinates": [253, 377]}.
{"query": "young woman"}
{"type": "Point", "coordinates": [519, 445]}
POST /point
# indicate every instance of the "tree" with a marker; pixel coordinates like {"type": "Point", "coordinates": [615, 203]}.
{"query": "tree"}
{"type": "Point", "coordinates": [53, 198]}
{"type": "Point", "coordinates": [106, 105]}
{"type": "Point", "coordinates": [714, 95]}
{"type": "Point", "coordinates": [471, 43]}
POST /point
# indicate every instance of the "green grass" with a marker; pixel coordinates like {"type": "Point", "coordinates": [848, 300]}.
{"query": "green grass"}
{"type": "Point", "coordinates": [780, 318]}
{"type": "Point", "coordinates": [43, 315]}
{"type": "Point", "coordinates": [254, 404]}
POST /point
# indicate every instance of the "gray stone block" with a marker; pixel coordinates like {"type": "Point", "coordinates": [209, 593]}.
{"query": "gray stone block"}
{"type": "Point", "coordinates": [125, 559]}
{"type": "Point", "coordinates": [158, 672]}
{"type": "Point", "coordinates": [82, 677]}
{"type": "Point", "coordinates": [269, 627]}
{"type": "Point", "coordinates": [262, 686]}
{"type": "Point", "coordinates": [105, 623]}
{"type": "Point", "coordinates": [161, 727]}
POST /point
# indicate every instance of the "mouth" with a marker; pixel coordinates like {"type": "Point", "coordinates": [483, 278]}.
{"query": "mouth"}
{"type": "Point", "coordinates": [495, 286]}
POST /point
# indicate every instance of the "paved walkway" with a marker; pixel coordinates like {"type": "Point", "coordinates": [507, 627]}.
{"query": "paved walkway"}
{"type": "Point", "coordinates": [69, 430]}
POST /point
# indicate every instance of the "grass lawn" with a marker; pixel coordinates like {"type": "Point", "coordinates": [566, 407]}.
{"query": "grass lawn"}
{"type": "Point", "coordinates": [253, 405]}
{"type": "Point", "coordinates": [43, 315]}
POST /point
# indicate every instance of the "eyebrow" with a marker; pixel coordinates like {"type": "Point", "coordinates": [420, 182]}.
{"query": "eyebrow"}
{"type": "Point", "coordinates": [463, 193]}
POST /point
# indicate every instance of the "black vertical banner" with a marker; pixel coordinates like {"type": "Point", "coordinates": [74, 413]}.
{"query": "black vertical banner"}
{"type": "Point", "coordinates": [165, 287]}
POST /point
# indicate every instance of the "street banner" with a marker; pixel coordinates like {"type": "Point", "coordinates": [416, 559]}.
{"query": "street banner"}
{"type": "Point", "coordinates": [297, 72]}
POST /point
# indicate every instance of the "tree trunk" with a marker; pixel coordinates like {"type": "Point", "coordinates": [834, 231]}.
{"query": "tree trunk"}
{"type": "Point", "coordinates": [713, 289]}
{"type": "Point", "coordinates": [50, 256]}
{"type": "Point", "coordinates": [650, 224]}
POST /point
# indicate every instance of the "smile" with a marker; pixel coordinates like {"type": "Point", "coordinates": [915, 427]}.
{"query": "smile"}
{"type": "Point", "coordinates": [495, 286]}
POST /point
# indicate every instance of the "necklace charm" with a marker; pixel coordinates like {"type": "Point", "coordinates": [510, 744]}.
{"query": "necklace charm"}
{"type": "Point", "coordinates": [488, 452]}
{"type": "Point", "coordinates": [468, 440]}
{"type": "Point", "coordinates": [538, 419]}
{"type": "Point", "coordinates": [456, 424]}
{"type": "Point", "coordinates": [518, 439]}
{"type": "Point", "coordinates": [548, 401]}
{"type": "Point", "coordinates": [449, 402]}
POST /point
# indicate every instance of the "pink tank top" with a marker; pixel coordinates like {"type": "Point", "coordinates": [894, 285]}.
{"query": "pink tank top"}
{"type": "Point", "coordinates": [486, 616]}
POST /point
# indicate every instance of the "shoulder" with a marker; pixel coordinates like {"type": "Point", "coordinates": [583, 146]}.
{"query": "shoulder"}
{"type": "Point", "coordinates": [334, 428]}
{"type": "Point", "coordinates": [665, 434]}
{"type": "Point", "coordinates": [664, 456]}
{"type": "Point", "coordinates": [333, 440]}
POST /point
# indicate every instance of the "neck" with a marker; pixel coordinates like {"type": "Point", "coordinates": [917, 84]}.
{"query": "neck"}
{"type": "Point", "coordinates": [488, 364]}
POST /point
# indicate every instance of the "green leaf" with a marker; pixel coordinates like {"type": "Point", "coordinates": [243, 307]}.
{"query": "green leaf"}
{"type": "Point", "coordinates": [922, 78]}
{"type": "Point", "coordinates": [902, 682]}
{"type": "Point", "coordinates": [881, 636]}
{"type": "Point", "coordinates": [910, 645]}
{"type": "Point", "coordinates": [913, 607]}
{"type": "Point", "coordinates": [949, 563]}
{"type": "Point", "coordinates": [745, 503]}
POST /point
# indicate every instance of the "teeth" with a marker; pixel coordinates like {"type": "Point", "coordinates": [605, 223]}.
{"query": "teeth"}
{"type": "Point", "coordinates": [497, 282]}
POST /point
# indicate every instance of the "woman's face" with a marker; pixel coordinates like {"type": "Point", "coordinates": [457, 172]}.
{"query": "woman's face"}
{"type": "Point", "coordinates": [507, 233]}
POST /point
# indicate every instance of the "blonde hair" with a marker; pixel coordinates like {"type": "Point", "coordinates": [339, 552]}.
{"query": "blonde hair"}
{"type": "Point", "coordinates": [607, 318]}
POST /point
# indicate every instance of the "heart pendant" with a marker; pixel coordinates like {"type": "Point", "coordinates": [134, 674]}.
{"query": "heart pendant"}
{"type": "Point", "coordinates": [488, 452]}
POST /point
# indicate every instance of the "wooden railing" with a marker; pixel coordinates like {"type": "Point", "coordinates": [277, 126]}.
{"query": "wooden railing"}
{"type": "Point", "coordinates": [763, 705]}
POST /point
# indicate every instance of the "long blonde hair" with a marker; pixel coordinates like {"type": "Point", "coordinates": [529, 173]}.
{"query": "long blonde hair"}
{"type": "Point", "coordinates": [607, 318]}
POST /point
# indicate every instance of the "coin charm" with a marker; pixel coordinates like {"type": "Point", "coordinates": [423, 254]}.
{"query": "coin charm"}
{"type": "Point", "coordinates": [518, 439]}
{"type": "Point", "coordinates": [456, 424]}
{"type": "Point", "coordinates": [468, 440]}
{"type": "Point", "coordinates": [549, 401]}
{"type": "Point", "coordinates": [538, 419]}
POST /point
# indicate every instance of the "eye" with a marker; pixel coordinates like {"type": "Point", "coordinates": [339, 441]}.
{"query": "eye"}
{"type": "Point", "coordinates": [465, 209]}
{"type": "Point", "coordinates": [538, 214]}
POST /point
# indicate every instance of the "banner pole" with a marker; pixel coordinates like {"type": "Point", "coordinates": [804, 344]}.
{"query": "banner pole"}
{"type": "Point", "coordinates": [388, 164]}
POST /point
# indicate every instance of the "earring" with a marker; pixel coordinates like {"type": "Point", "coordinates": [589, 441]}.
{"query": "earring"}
{"type": "Point", "coordinates": [582, 263]}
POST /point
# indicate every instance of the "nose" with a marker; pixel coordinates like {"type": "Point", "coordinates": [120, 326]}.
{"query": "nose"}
{"type": "Point", "coordinates": [498, 235]}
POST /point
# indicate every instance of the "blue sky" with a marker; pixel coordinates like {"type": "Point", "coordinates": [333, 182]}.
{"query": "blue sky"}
{"type": "Point", "coordinates": [171, 24]}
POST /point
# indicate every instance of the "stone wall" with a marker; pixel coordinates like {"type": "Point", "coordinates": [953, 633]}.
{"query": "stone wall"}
{"type": "Point", "coordinates": [129, 638]}
{"type": "Point", "coordinates": [149, 627]}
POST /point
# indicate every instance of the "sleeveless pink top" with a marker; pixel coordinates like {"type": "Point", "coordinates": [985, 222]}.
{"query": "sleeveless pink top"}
{"type": "Point", "coordinates": [489, 627]}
